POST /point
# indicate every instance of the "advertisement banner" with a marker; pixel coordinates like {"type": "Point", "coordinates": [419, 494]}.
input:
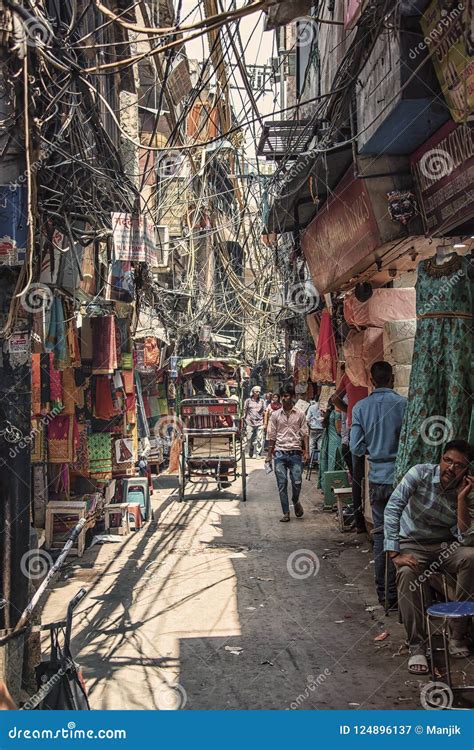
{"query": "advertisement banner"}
{"type": "Point", "coordinates": [449, 36]}
{"type": "Point", "coordinates": [443, 169]}
{"type": "Point", "coordinates": [133, 239]}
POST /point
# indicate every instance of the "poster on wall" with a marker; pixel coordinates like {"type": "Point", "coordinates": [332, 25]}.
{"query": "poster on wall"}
{"type": "Point", "coordinates": [449, 37]}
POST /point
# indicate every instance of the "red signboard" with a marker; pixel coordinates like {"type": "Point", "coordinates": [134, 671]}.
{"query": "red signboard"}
{"type": "Point", "coordinates": [443, 169]}
{"type": "Point", "coordinates": [343, 233]}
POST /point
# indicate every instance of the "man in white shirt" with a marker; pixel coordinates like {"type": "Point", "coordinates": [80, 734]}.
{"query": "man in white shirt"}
{"type": "Point", "coordinates": [314, 420]}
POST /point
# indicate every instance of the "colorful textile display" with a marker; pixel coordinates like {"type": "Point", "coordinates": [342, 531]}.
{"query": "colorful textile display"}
{"type": "Point", "coordinates": [440, 394]}
{"type": "Point", "coordinates": [384, 305]}
{"type": "Point", "coordinates": [361, 350]}
{"type": "Point", "coordinates": [151, 352]}
{"type": "Point", "coordinates": [69, 391]}
{"type": "Point", "coordinates": [104, 359]}
{"type": "Point", "coordinates": [62, 431]}
{"type": "Point", "coordinates": [103, 403]}
{"type": "Point", "coordinates": [38, 443]}
{"type": "Point", "coordinates": [100, 455]}
{"type": "Point", "coordinates": [81, 464]}
{"type": "Point", "coordinates": [56, 341]}
{"type": "Point", "coordinates": [55, 384]}
{"type": "Point", "coordinates": [73, 342]}
{"type": "Point", "coordinates": [325, 364]}
{"type": "Point", "coordinates": [301, 371]}
{"type": "Point", "coordinates": [36, 384]}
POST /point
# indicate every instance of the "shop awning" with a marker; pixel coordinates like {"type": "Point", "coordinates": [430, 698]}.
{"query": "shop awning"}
{"type": "Point", "coordinates": [305, 188]}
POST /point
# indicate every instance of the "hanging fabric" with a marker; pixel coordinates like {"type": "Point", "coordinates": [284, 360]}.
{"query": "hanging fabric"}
{"type": "Point", "coordinates": [100, 456]}
{"type": "Point", "coordinates": [36, 384]}
{"type": "Point", "coordinates": [440, 392]}
{"type": "Point", "coordinates": [61, 439]}
{"type": "Point", "coordinates": [104, 359]}
{"type": "Point", "coordinates": [325, 365]}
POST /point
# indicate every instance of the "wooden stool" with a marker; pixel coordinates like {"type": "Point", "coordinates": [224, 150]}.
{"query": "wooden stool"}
{"type": "Point", "coordinates": [65, 508]}
{"type": "Point", "coordinates": [124, 528]}
{"type": "Point", "coordinates": [343, 500]}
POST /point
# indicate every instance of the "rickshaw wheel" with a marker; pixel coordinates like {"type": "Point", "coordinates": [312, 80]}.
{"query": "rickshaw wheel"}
{"type": "Point", "coordinates": [244, 474]}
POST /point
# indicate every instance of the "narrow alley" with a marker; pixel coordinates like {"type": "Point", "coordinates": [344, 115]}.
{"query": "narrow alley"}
{"type": "Point", "coordinates": [217, 605]}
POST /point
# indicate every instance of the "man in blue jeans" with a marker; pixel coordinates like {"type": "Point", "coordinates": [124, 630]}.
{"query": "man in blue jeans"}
{"type": "Point", "coordinates": [376, 425]}
{"type": "Point", "coordinates": [288, 444]}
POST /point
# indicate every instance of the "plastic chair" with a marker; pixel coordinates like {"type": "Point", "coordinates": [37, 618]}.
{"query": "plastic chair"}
{"type": "Point", "coordinates": [447, 611]}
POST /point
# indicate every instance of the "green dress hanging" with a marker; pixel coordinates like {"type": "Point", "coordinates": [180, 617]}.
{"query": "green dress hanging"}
{"type": "Point", "coordinates": [440, 394]}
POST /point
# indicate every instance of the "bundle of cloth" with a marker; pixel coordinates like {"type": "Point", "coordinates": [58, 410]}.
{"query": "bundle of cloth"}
{"type": "Point", "coordinates": [398, 344]}
{"type": "Point", "coordinates": [366, 342]}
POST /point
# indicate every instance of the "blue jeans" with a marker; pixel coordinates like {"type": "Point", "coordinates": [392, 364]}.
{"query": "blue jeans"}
{"type": "Point", "coordinates": [379, 495]}
{"type": "Point", "coordinates": [284, 463]}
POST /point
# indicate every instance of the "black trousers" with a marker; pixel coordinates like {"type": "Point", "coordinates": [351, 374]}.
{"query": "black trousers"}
{"type": "Point", "coordinates": [358, 476]}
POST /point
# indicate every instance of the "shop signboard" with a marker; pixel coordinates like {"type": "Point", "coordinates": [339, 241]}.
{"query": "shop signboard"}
{"type": "Point", "coordinates": [449, 36]}
{"type": "Point", "coordinates": [133, 239]}
{"type": "Point", "coordinates": [342, 234]}
{"type": "Point", "coordinates": [443, 169]}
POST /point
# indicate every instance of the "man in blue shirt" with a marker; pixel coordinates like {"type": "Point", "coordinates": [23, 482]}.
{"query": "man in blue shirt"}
{"type": "Point", "coordinates": [429, 527]}
{"type": "Point", "coordinates": [376, 425]}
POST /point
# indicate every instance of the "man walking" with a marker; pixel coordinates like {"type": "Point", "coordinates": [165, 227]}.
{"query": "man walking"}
{"type": "Point", "coordinates": [375, 430]}
{"type": "Point", "coordinates": [288, 444]}
{"type": "Point", "coordinates": [429, 528]}
{"type": "Point", "coordinates": [254, 408]}
{"type": "Point", "coordinates": [314, 419]}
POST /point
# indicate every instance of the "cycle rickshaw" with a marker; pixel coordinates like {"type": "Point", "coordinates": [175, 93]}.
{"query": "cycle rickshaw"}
{"type": "Point", "coordinates": [211, 425]}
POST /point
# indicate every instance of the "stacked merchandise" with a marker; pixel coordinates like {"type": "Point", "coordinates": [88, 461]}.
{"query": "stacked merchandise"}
{"type": "Point", "coordinates": [364, 344]}
{"type": "Point", "coordinates": [398, 344]}
{"type": "Point", "coordinates": [84, 423]}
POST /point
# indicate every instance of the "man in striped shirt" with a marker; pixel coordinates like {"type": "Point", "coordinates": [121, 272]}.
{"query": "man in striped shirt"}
{"type": "Point", "coordinates": [429, 528]}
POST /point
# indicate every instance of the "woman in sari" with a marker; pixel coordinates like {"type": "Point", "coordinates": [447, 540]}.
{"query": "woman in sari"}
{"type": "Point", "coordinates": [331, 458]}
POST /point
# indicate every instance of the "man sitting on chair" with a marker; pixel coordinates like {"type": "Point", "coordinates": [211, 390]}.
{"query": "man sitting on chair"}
{"type": "Point", "coordinates": [429, 528]}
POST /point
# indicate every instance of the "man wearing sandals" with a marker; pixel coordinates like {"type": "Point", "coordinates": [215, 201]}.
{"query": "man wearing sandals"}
{"type": "Point", "coordinates": [429, 528]}
{"type": "Point", "coordinates": [288, 438]}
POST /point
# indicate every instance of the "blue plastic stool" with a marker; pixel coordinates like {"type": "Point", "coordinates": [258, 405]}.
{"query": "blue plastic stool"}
{"type": "Point", "coordinates": [447, 611]}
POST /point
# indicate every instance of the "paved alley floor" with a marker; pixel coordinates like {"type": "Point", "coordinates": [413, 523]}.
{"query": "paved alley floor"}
{"type": "Point", "coordinates": [216, 604]}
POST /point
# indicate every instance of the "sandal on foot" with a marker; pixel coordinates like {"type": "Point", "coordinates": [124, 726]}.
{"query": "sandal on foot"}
{"type": "Point", "coordinates": [299, 512]}
{"type": "Point", "coordinates": [418, 664]}
{"type": "Point", "coordinates": [285, 518]}
{"type": "Point", "coordinates": [458, 649]}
